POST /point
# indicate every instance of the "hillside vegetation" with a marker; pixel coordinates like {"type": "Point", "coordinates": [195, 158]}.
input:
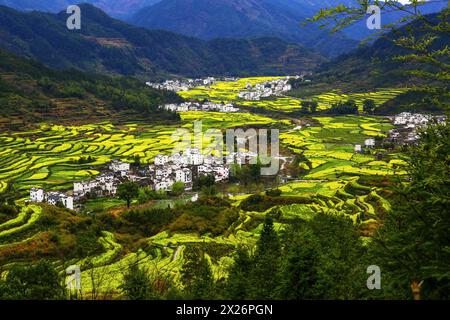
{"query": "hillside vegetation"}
{"type": "Point", "coordinates": [110, 46]}
{"type": "Point", "coordinates": [375, 65]}
{"type": "Point", "coordinates": [209, 19]}
{"type": "Point", "coordinates": [31, 93]}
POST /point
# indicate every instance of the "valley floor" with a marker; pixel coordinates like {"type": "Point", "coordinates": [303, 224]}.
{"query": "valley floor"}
{"type": "Point", "coordinates": [332, 178]}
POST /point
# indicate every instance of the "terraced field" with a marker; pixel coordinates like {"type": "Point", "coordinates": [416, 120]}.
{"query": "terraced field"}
{"type": "Point", "coordinates": [14, 231]}
{"type": "Point", "coordinates": [334, 181]}
{"type": "Point", "coordinates": [228, 92]}
{"type": "Point", "coordinates": [48, 158]}
{"type": "Point", "coordinates": [223, 91]}
{"type": "Point", "coordinates": [330, 147]}
{"type": "Point", "coordinates": [325, 100]}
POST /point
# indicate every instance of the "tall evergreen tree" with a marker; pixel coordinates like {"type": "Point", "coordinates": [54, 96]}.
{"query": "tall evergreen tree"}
{"type": "Point", "coordinates": [299, 270]}
{"type": "Point", "coordinates": [237, 285]}
{"type": "Point", "coordinates": [136, 284]}
{"type": "Point", "coordinates": [414, 243]}
{"type": "Point", "coordinates": [265, 276]}
{"type": "Point", "coordinates": [196, 275]}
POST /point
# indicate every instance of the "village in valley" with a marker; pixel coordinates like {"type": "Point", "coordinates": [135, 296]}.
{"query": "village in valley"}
{"type": "Point", "coordinates": [185, 84]}
{"type": "Point", "coordinates": [187, 167]}
{"type": "Point", "coordinates": [197, 106]}
{"type": "Point", "coordinates": [224, 150]}
{"type": "Point", "coordinates": [266, 89]}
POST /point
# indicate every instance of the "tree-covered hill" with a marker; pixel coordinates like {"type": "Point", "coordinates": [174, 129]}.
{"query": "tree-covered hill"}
{"type": "Point", "coordinates": [31, 93]}
{"type": "Point", "coordinates": [376, 65]}
{"type": "Point", "coordinates": [209, 19]}
{"type": "Point", "coordinates": [115, 8]}
{"type": "Point", "coordinates": [110, 46]}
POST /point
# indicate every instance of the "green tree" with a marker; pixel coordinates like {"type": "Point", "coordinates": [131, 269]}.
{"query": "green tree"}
{"type": "Point", "coordinates": [369, 106]}
{"type": "Point", "coordinates": [33, 282]}
{"type": "Point", "coordinates": [265, 278]}
{"type": "Point", "coordinates": [136, 284]}
{"type": "Point", "coordinates": [299, 270]}
{"type": "Point", "coordinates": [127, 191]}
{"type": "Point", "coordinates": [237, 284]}
{"type": "Point", "coordinates": [413, 245]}
{"type": "Point", "coordinates": [313, 106]}
{"type": "Point", "coordinates": [209, 191]}
{"type": "Point", "coordinates": [309, 106]}
{"type": "Point", "coordinates": [196, 275]}
{"type": "Point", "coordinates": [205, 181]}
{"type": "Point", "coordinates": [341, 258]}
{"type": "Point", "coordinates": [323, 258]}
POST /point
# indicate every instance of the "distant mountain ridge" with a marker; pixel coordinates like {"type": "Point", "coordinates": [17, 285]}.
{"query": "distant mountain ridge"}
{"type": "Point", "coordinates": [215, 18]}
{"type": "Point", "coordinates": [374, 64]}
{"type": "Point", "coordinates": [110, 46]}
{"type": "Point", "coordinates": [359, 31]}
{"type": "Point", "coordinates": [116, 8]}
{"type": "Point", "coordinates": [209, 19]}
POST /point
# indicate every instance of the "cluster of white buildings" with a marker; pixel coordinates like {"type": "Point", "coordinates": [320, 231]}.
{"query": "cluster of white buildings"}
{"type": "Point", "coordinates": [104, 184]}
{"type": "Point", "coordinates": [195, 106]}
{"type": "Point", "coordinates": [266, 89]}
{"type": "Point", "coordinates": [38, 195]}
{"type": "Point", "coordinates": [407, 125]}
{"type": "Point", "coordinates": [182, 85]}
{"type": "Point", "coordinates": [411, 120]}
{"type": "Point", "coordinates": [186, 167]}
{"type": "Point", "coordinates": [166, 170]}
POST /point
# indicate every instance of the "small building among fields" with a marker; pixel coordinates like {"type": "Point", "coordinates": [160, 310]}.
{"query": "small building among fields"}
{"type": "Point", "coordinates": [54, 198]}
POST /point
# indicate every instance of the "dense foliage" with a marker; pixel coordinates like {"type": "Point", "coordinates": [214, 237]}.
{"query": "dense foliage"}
{"type": "Point", "coordinates": [28, 90]}
{"type": "Point", "coordinates": [114, 47]}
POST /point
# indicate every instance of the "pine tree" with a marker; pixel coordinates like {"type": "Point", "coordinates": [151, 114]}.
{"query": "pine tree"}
{"type": "Point", "coordinates": [265, 279]}
{"type": "Point", "coordinates": [136, 284]}
{"type": "Point", "coordinates": [413, 246]}
{"type": "Point", "coordinates": [196, 275]}
{"type": "Point", "coordinates": [299, 271]}
{"type": "Point", "coordinates": [34, 282]}
{"type": "Point", "coordinates": [237, 284]}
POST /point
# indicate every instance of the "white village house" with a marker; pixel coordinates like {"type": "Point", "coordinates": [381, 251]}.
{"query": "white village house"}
{"type": "Point", "coordinates": [38, 195]}
{"type": "Point", "coordinates": [265, 90]}
{"type": "Point", "coordinates": [161, 175]}
{"type": "Point", "coordinates": [414, 119]}
{"type": "Point", "coordinates": [195, 106]}
{"type": "Point", "coordinates": [369, 143]}
{"type": "Point", "coordinates": [120, 167]}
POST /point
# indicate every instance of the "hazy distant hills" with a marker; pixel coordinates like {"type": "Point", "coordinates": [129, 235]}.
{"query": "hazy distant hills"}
{"type": "Point", "coordinates": [115, 8]}
{"type": "Point", "coordinates": [359, 31]}
{"type": "Point", "coordinates": [107, 45]}
{"type": "Point", "coordinates": [209, 19]}
{"type": "Point", "coordinates": [373, 65]}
